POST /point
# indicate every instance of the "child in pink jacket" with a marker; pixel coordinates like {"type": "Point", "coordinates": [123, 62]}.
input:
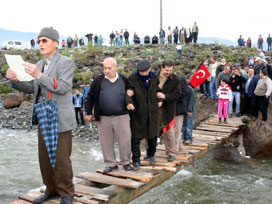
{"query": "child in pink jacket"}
{"type": "Point", "coordinates": [224, 97]}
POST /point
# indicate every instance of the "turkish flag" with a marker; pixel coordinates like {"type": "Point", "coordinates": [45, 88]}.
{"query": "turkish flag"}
{"type": "Point", "coordinates": [200, 76]}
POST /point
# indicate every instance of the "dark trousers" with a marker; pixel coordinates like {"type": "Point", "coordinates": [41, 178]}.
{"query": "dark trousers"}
{"type": "Point", "coordinates": [62, 181]}
{"type": "Point", "coordinates": [175, 39]}
{"type": "Point", "coordinates": [81, 115]}
{"type": "Point", "coordinates": [126, 41]}
{"type": "Point", "coordinates": [248, 105]}
{"type": "Point", "coordinates": [269, 47]}
{"type": "Point", "coordinates": [135, 148]}
{"type": "Point", "coordinates": [261, 105]}
{"type": "Point", "coordinates": [195, 36]}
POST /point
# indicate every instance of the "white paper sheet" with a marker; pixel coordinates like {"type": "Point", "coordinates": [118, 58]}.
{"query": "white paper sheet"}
{"type": "Point", "coordinates": [15, 63]}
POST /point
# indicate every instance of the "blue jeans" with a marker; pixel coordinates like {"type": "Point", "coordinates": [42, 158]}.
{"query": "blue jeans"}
{"type": "Point", "coordinates": [187, 128]}
{"type": "Point", "coordinates": [162, 40]}
{"type": "Point", "coordinates": [213, 88]}
{"type": "Point", "coordinates": [179, 53]}
{"type": "Point", "coordinates": [237, 96]}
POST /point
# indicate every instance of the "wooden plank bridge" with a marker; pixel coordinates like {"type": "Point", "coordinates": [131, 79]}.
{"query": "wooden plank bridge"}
{"type": "Point", "coordinates": [124, 186]}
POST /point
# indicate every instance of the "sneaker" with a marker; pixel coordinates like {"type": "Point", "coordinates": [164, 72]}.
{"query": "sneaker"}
{"type": "Point", "coordinates": [127, 167]}
{"type": "Point", "coordinates": [136, 166]}
{"type": "Point", "coordinates": [187, 142]}
{"type": "Point", "coordinates": [109, 169]}
{"type": "Point", "coordinates": [67, 200]}
{"type": "Point", "coordinates": [171, 158]}
{"type": "Point", "coordinates": [152, 160]}
{"type": "Point", "coordinates": [146, 157]}
{"type": "Point", "coordinates": [237, 114]}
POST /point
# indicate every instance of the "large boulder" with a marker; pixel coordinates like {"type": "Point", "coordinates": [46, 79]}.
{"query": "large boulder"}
{"type": "Point", "coordinates": [13, 100]}
{"type": "Point", "coordinates": [257, 139]}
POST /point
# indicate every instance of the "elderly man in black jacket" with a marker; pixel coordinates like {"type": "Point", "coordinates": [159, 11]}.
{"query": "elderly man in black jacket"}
{"type": "Point", "coordinates": [170, 85]}
{"type": "Point", "coordinates": [143, 104]}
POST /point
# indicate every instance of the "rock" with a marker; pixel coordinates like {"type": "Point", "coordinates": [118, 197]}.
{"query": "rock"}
{"type": "Point", "coordinates": [258, 139]}
{"type": "Point", "coordinates": [227, 154]}
{"type": "Point", "coordinates": [25, 104]}
{"type": "Point", "coordinates": [13, 100]}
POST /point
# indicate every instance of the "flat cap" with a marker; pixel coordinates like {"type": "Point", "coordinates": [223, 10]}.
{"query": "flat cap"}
{"type": "Point", "coordinates": [50, 33]}
{"type": "Point", "coordinates": [143, 65]}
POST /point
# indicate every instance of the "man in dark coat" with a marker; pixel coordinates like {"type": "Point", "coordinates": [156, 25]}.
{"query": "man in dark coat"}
{"type": "Point", "coordinates": [170, 85]}
{"type": "Point", "coordinates": [143, 103]}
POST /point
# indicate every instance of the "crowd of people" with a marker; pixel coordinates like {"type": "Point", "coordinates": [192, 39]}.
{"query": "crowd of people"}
{"type": "Point", "coordinates": [247, 89]}
{"type": "Point", "coordinates": [242, 43]}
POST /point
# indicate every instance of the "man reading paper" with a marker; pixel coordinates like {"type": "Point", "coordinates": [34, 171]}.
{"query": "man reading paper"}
{"type": "Point", "coordinates": [54, 74]}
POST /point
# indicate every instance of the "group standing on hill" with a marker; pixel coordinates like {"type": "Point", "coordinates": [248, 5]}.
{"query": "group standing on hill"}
{"type": "Point", "coordinates": [260, 41]}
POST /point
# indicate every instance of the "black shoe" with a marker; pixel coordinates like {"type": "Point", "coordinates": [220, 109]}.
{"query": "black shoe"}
{"type": "Point", "coordinates": [220, 120]}
{"type": "Point", "coordinates": [109, 169]}
{"type": "Point", "coordinates": [152, 160]}
{"type": "Point", "coordinates": [67, 200]}
{"type": "Point", "coordinates": [225, 120]}
{"type": "Point", "coordinates": [237, 114]}
{"type": "Point", "coordinates": [171, 158]}
{"type": "Point", "coordinates": [42, 198]}
{"type": "Point", "coordinates": [146, 157]}
{"type": "Point", "coordinates": [127, 167]}
{"type": "Point", "coordinates": [136, 166]}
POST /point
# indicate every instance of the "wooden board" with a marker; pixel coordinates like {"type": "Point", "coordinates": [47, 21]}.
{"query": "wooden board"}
{"type": "Point", "coordinates": [110, 180]}
{"type": "Point", "coordinates": [213, 129]}
{"type": "Point", "coordinates": [215, 122]}
{"type": "Point", "coordinates": [162, 154]}
{"type": "Point", "coordinates": [32, 195]}
{"type": "Point", "coordinates": [167, 164]}
{"type": "Point", "coordinates": [207, 141]}
{"type": "Point", "coordinates": [219, 127]}
{"type": "Point", "coordinates": [97, 193]}
{"type": "Point", "coordinates": [84, 200]}
{"type": "Point", "coordinates": [20, 202]}
{"type": "Point", "coordinates": [138, 176]}
{"type": "Point", "coordinates": [193, 147]}
{"type": "Point", "coordinates": [218, 134]}
{"type": "Point", "coordinates": [176, 161]}
{"type": "Point", "coordinates": [158, 168]}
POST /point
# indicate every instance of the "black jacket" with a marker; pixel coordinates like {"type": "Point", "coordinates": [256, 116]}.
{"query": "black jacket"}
{"type": "Point", "coordinates": [144, 119]}
{"type": "Point", "coordinates": [93, 96]}
{"type": "Point", "coordinates": [126, 34]}
{"type": "Point", "coordinates": [182, 102]}
{"type": "Point", "coordinates": [172, 91]}
{"type": "Point", "coordinates": [237, 83]}
{"type": "Point", "coordinates": [259, 67]}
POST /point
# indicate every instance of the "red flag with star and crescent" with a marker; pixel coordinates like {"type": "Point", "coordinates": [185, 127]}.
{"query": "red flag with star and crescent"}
{"type": "Point", "coordinates": [200, 76]}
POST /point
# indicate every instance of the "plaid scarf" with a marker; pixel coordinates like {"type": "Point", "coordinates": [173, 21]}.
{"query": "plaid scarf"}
{"type": "Point", "coordinates": [47, 115]}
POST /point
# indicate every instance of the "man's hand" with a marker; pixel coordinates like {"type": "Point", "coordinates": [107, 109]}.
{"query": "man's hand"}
{"type": "Point", "coordinates": [160, 95]}
{"type": "Point", "coordinates": [32, 69]}
{"type": "Point", "coordinates": [88, 118]}
{"type": "Point", "coordinates": [189, 114]}
{"type": "Point", "coordinates": [11, 75]}
{"type": "Point", "coordinates": [130, 93]}
{"type": "Point", "coordinates": [267, 96]}
{"type": "Point", "coordinates": [130, 106]}
{"type": "Point", "coordinates": [159, 104]}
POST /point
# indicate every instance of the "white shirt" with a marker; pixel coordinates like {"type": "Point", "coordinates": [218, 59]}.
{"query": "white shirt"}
{"type": "Point", "coordinates": [114, 79]}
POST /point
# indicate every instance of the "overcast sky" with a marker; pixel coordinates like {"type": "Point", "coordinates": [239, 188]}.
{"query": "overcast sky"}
{"type": "Point", "coordinates": [215, 18]}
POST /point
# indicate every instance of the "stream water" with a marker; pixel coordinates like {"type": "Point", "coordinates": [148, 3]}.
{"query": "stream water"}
{"type": "Point", "coordinates": [205, 181]}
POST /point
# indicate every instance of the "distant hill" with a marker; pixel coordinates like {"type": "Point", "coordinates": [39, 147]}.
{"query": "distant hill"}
{"type": "Point", "coordinates": [27, 36]}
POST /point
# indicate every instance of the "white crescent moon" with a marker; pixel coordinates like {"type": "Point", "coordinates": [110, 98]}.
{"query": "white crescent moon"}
{"type": "Point", "coordinates": [202, 72]}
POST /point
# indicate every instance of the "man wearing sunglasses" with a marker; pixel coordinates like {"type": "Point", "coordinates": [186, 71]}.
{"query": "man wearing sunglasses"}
{"type": "Point", "coordinates": [53, 74]}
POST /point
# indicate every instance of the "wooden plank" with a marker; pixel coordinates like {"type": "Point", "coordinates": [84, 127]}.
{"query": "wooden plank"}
{"type": "Point", "coordinates": [218, 134]}
{"type": "Point", "coordinates": [219, 127]}
{"type": "Point", "coordinates": [207, 137]}
{"type": "Point", "coordinates": [163, 160]}
{"type": "Point", "coordinates": [32, 195]}
{"type": "Point", "coordinates": [193, 147]}
{"type": "Point", "coordinates": [110, 180]}
{"type": "Point", "coordinates": [158, 168]}
{"type": "Point", "coordinates": [97, 193]}
{"type": "Point", "coordinates": [215, 122]}
{"type": "Point", "coordinates": [20, 202]}
{"type": "Point", "coordinates": [162, 154]}
{"type": "Point", "coordinates": [207, 141]}
{"type": "Point", "coordinates": [84, 200]}
{"type": "Point", "coordinates": [167, 164]}
{"type": "Point", "coordinates": [212, 129]}
{"type": "Point", "coordinates": [128, 174]}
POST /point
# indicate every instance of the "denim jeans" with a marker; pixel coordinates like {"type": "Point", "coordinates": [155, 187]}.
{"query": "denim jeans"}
{"type": "Point", "coordinates": [237, 96]}
{"type": "Point", "coordinates": [162, 40]}
{"type": "Point", "coordinates": [187, 128]}
{"type": "Point", "coordinates": [179, 53]}
{"type": "Point", "coordinates": [213, 88]}
{"type": "Point", "coordinates": [206, 88]}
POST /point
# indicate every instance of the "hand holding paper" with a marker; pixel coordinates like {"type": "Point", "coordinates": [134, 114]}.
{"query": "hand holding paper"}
{"type": "Point", "coordinates": [15, 63]}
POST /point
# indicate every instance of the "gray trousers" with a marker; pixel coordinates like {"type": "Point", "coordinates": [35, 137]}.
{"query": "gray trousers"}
{"type": "Point", "coordinates": [177, 128]}
{"type": "Point", "coordinates": [118, 126]}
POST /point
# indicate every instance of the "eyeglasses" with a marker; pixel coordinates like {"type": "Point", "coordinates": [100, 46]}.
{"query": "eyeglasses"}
{"type": "Point", "coordinates": [42, 40]}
